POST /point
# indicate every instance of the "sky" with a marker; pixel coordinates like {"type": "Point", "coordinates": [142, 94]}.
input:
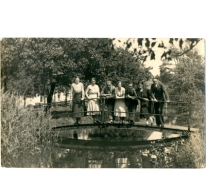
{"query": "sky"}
{"type": "Point", "coordinates": [155, 64]}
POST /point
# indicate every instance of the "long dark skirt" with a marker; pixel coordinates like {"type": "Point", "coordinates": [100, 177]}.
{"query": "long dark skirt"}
{"type": "Point", "coordinates": [78, 106]}
{"type": "Point", "coordinates": [132, 106]}
{"type": "Point", "coordinates": [110, 108]}
{"type": "Point", "coordinates": [145, 109]}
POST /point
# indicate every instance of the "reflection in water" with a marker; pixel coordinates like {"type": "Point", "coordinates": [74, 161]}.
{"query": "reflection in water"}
{"type": "Point", "coordinates": [123, 156]}
{"type": "Point", "coordinates": [112, 134]}
{"type": "Point", "coordinates": [76, 158]}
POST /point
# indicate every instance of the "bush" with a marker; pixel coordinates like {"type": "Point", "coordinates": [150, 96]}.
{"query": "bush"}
{"type": "Point", "coordinates": [26, 136]}
{"type": "Point", "coordinates": [184, 153]}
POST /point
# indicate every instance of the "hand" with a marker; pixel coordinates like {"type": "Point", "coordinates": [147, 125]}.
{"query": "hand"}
{"type": "Point", "coordinates": [167, 100]}
{"type": "Point", "coordinates": [82, 99]}
{"type": "Point", "coordinates": [155, 100]}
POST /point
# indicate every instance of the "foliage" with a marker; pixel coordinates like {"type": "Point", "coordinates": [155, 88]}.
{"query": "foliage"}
{"type": "Point", "coordinates": [44, 66]}
{"type": "Point", "coordinates": [26, 137]}
{"type": "Point", "coordinates": [191, 154]}
{"type": "Point", "coordinates": [183, 153]}
{"type": "Point", "coordinates": [186, 80]}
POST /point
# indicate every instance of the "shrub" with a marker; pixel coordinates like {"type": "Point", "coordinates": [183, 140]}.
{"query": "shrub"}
{"type": "Point", "coordinates": [26, 136]}
{"type": "Point", "coordinates": [184, 153]}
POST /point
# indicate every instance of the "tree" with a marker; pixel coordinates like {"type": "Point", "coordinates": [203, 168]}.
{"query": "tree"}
{"type": "Point", "coordinates": [145, 48]}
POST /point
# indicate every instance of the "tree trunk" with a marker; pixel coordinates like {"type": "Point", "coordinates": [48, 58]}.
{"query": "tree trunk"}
{"type": "Point", "coordinates": [66, 98]}
{"type": "Point", "coordinates": [24, 101]}
{"type": "Point", "coordinates": [49, 97]}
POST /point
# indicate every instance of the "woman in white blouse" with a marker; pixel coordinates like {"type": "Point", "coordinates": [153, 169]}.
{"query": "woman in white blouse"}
{"type": "Point", "coordinates": [77, 92]}
{"type": "Point", "coordinates": [93, 93]}
{"type": "Point", "coordinates": [120, 106]}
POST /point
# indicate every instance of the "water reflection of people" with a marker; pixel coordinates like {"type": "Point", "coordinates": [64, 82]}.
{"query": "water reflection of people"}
{"type": "Point", "coordinates": [132, 101]}
{"type": "Point", "coordinates": [109, 91]}
{"type": "Point", "coordinates": [120, 106]}
{"type": "Point", "coordinates": [93, 93]}
{"type": "Point", "coordinates": [77, 92]}
{"type": "Point", "coordinates": [158, 92]}
{"type": "Point", "coordinates": [144, 96]}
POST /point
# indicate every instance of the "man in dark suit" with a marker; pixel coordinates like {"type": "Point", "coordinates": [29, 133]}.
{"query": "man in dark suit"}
{"type": "Point", "coordinates": [131, 101]}
{"type": "Point", "coordinates": [159, 95]}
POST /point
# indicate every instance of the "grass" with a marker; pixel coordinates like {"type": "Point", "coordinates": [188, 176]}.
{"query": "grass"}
{"type": "Point", "coordinates": [26, 136]}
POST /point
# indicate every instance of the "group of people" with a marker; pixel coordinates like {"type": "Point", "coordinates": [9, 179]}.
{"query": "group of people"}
{"type": "Point", "coordinates": [119, 99]}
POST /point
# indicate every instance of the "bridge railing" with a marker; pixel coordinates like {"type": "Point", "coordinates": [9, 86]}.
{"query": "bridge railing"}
{"type": "Point", "coordinates": [174, 112]}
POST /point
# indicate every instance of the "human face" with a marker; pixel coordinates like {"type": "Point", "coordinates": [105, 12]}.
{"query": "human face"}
{"type": "Point", "coordinates": [109, 83]}
{"type": "Point", "coordinates": [119, 85]}
{"type": "Point", "coordinates": [155, 81]}
{"type": "Point", "coordinates": [141, 86]}
{"type": "Point", "coordinates": [130, 85]}
{"type": "Point", "coordinates": [77, 80]}
{"type": "Point", "coordinates": [93, 81]}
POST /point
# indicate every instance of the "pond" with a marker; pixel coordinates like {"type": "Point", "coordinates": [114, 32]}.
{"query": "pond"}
{"type": "Point", "coordinates": [111, 147]}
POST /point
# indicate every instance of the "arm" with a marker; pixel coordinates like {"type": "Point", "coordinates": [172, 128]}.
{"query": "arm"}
{"type": "Point", "coordinates": [83, 94]}
{"type": "Point", "coordinates": [127, 93]}
{"type": "Point", "coordinates": [152, 92]}
{"type": "Point", "coordinates": [139, 96]}
{"type": "Point", "coordinates": [103, 90]}
{"type": "Point", "coordinates": [86, 92]}
{"type": "Point", "coordinates": [122, 96]}
{"type": "Point", "coordinates": [116, 96]}
{"type": "Point", "coordinates": [72, 91]}
{"type": "Point", "coordinates": [165, 93]}
{"type": "Point", "coordinates": [142, 98]}
{"type": "Point", "coordinates": [98, 91]}
{"type": "Point", "coordinates": [135, 94]}
{"type": "Point", "coordinates": [149, 95]}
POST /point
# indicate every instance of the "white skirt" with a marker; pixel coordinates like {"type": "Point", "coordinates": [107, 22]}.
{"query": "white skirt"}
{"type": "Point", "coordinates": [120, 108]}
{"type": "Point", "coordinates": [93, 107]}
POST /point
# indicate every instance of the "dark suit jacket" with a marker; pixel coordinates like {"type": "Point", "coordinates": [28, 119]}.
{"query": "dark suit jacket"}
{"type": "Point", "coordinates": [159, 92]}
{"type": "Point", "coordinates": [131, 92]}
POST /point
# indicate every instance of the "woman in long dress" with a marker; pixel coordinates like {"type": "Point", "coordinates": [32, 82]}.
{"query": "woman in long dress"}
{"type": "Point", "coordinates": [77, 92]}
{"type": "Point", "coordinates": [93, 93]}
{"type": "Point", "coordinates": [120, 106]}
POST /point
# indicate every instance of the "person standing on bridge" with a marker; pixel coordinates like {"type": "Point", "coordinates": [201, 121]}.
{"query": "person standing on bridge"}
{"type": "Point", "coordinates": [77, 93]}
{"type": "Point", "coordinates": [131, 101]}
{"type": "Point", "coordinates": [108, 92]}
{"type": "Point", "coordinates": [93, 93]}
{"type": "Point", "coordinates": [144, 95]}
{"type": "Point", "coordinates": [120, 106]}
{"type": "Point", "coordinates": [160, 95]}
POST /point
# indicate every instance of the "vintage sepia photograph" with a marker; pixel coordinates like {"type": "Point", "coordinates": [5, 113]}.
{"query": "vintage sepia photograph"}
{"type": "Point", "coordinates": [102, 102]}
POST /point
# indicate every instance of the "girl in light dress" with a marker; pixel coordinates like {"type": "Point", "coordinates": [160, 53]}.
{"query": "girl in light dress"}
{"type": "Point", "coordinates": [93, 93]}
{"type": "Point", "coordinates": [120, 106]}
{"type": "Point", "coordinates": [77, 92]}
